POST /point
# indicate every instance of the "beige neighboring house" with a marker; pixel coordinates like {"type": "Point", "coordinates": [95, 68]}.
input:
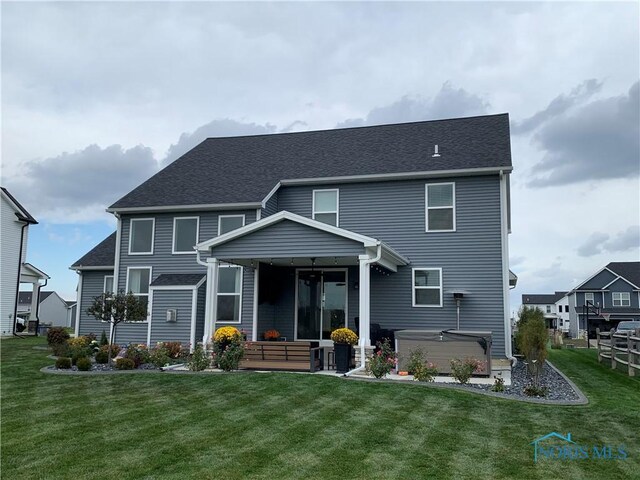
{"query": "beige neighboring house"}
{"type": "Point", "coordinates": [15, 222]}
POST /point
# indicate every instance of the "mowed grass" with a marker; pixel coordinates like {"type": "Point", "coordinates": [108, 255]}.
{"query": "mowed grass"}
{"type": "Point", "coordinates": [279, 425]}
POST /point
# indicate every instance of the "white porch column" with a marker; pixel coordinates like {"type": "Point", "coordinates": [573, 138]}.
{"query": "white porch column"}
{"type": "Point", "coordinates": [35, 296]}
{"type": "Point", "coordinates": [211, 300]}
{"type": "Point", "coordinates": [256, 292]}
{"type": "Point", "coordinates": [364, 298]}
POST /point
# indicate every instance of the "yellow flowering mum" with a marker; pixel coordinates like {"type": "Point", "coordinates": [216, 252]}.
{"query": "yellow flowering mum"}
{"type": "Point", "coordinates": [226, 334]}
{"type": "Point", "coordinates": [344, 335]}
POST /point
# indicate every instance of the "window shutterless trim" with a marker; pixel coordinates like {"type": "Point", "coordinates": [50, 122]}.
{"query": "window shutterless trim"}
{"type": "Point", "coordinates": [239, 295]}
{"type": "Point", "coordinates": [148, 295]}
{"type": "Point", "coordinates": [427, 207]}
{"type": "Point", "coordinates": [336, 211]}
{"type": "Point", "coordinates": [414, 287]}
{"type": "Point", "coordinates": [104, 288]}
{"type": "Point", "coordinates": [173, 237]}
{"type": "Point", "coordinates": [592, 299]}
{"type": "Point", "coordinates": [624, 299]}
{"type": "Point", "coordinates": [220, 217]}
{"type": "Point", "coordinates": [153, 234]}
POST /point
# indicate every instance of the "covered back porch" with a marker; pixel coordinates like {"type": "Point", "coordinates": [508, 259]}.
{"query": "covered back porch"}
{"type": "Point", "coordinates": [307, 278]}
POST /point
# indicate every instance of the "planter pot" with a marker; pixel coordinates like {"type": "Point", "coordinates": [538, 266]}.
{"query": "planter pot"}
{"type": "Point", "coordinates": [342, 356]}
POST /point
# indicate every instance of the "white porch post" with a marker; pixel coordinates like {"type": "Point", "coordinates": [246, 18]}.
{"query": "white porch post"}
{"type": "Point", "coordinates": [364, 298]}
{"type": "Point", "coordinates": [256, 292]}
{"type": "Point", "coordinates": [211, 300]}
{"type": "Point", "coordinates": [35, 296]}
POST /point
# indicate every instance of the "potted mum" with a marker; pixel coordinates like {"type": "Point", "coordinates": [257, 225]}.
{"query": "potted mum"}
{"type": "Point", "coordinates": [271, 335]}
{"type": "Point", "coordinates": [343, 341]}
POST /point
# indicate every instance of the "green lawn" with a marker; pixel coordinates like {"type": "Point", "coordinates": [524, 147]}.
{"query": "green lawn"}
{"type": "Point", "coordinates": [297, 426]}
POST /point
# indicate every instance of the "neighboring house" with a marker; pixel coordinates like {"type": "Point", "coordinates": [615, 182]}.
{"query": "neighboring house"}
{"type": "Point", "coordinates": [306, 232]}
{"type": "Point", "coordinates": [52, 309]}
{"type": "Point", "coordinates": [614, 291]}
{"type": "Point", "coordinates": [71, 313]}
{"type": "Point", "coordinates": [13, 253]}
{"type": "Point", "coordinates": [554, 306]}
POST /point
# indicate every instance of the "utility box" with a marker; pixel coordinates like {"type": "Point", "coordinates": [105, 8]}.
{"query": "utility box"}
{"type": "Point", "coordinates": [172, 315]}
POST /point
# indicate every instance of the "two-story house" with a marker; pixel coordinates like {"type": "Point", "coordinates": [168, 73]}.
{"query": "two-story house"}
{"type": "Point", "coordinates": [614, 294]}
{"type": "Point", "coordinates": [554, 306]}
{"type": "Point", "coordinates": [15, 220]}
{"type": "Point", "coordinates": [307, 232]}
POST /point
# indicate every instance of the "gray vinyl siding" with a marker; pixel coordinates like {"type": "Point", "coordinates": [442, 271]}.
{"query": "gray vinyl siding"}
{"type": "Point", "coordinates": [288, 239]}
{"type": "Point", "coordinates": [599, 281]}
{"type": "Point", "coordinates": [162, 260]}
{"type": "Point", "coordinates": [271, 206]}
{"type": "Point", "coordinates": [620, 286]}
{"type": "Point", "coordinates": [202, 298]}
{"type": "Point", "coordinates": [92, 286]}
{"type": "Point", "coordinates": [470, 257]}
{"type": "Point", "coordinates": [179, 331]}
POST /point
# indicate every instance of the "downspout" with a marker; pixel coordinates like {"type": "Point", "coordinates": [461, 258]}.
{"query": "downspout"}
{"type": "Point", "coordinates": [505, 266]}
{"type": "Point", "coordinates": [46, 280]}
{"type": "Point", "coordinates": [363, 362]}
{"type": "Point", "coordinates": [15, 306]}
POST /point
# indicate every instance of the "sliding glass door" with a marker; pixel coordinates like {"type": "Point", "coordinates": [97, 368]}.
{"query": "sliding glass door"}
{"type": "Point", "coordinates": [321, 303]}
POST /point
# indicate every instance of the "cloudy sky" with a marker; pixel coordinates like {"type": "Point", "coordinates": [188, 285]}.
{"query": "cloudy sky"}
{"type": "Point", "coordinates": [96, 97]}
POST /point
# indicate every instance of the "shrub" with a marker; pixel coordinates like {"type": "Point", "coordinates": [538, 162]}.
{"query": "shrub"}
{"type": "Point", "coordinates": [125, 364]}
{"type": "Point", "coordinates": [425, 372]}
{"type": "Point", "coordinates": [344, 335]}
{"type": "Point", "coordinates": [532, 338]}
{"type": "Point", "coordinates": [84, 364]}
{"type": "Point", "coordinates": [199, 359]}
{"type": "Point", "coordinates": [103, 339]}
{"type": "Point", "coordinates": [498, 383]}
{"type": "Point", "coordinates": [63, 363]}
{"type": "Point", "coordinates": [462, 370]}
{"type": "Point", "coordinates": [115, 349]}
{"type": "Point", "coordinates": [57, 335]}
{"type": "Point", "coordinates": [272, 334]}
{"type": "Point", "coordinates": [226, 335]}
{"type": "Point", "coordinates": [102, 357]}
{"type": "Point", "coordinates": [159, 355]}
{"type": "Point", "coordinates": [80, 341]}
{"type": "Point", "coordinates": [416, 359]}
{"type": "Point", "coordinates": [138, 354]}
{"type": "Point", "coordinates": [533, 390]}
{"type": "Point", "coordinates": [227, 356]}
{"type": "Point", "coordinates": [61, 349]}
{"type": "Point", "coordinates": [79, 347]}
{"type": "Point", "coordinates": [173, 349]}
{"type": "Point", "coordinates": [383, 360]}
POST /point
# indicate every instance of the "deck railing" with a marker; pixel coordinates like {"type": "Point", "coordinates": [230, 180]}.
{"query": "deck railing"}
{"type": "Point", "coordinates": [619, 348]}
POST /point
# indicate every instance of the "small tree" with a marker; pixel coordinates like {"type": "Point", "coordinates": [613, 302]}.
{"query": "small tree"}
{"type": "Point", "coordinates": [117, 308]}
{"type": "Point", "coordinates": [531, 338]}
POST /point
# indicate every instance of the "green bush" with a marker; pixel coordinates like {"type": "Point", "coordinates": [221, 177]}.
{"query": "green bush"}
{"type": "Point", "coordinates": [159, 355]}
{"type": "Point", "coordinates": [383, 360]}
{"type": "Point", "coordinates": [138, 354]}
{"type": "Point", "coordinates": [61, 349]}
{"type": "Point", "coordinates": [416, 359]}
{"type": "Point", "coordinates": [462, 370]}
{"type": "Point", "coordinates": [57, 335]}
{"type": "Point", "coordinates": [421, 370]}
{"type": "Point", "coordinates": [115, 349]}
{"type": "Point", "coordinates": [498, 384]}
{"type": "Point", "coordinates": [63, 363]}
{"type": "Point", "coordinates": [199, 359]}
{"type": "Point", "coordinates": [83, 364]}
{"type": "Point", "coordinates": [532, 338]}
{"type": "Point", "coordinates": [102, 357]}
{"type": "Point", "coordinates": [173, 349]}
{"type": "Point", "coordinates": [227, 355]}
{"type": "Point", "coordinates": [103, 339]}
{"type": "Point", "coordinates": [125, 364]}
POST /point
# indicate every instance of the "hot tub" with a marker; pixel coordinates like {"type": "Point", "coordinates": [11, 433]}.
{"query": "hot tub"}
{"type": "Point", "coordinates": [441, 346]}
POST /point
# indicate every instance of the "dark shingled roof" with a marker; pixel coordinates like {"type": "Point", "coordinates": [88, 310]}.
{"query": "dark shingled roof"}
{"type": "Point", "coordinates": [177, 279]}
{"type": "Point", "coordinates": [628, 270]}
{"type": "Point", "coordinates": [23, 214]}
{"type": "Point", "coordinates": [25, 297]}
{"type": "Point", "coordinates": [538, 298]}
{"type": "Point", "coordinates": [102, 255]}
{"type": "Point", "coordinates": [245, 169]}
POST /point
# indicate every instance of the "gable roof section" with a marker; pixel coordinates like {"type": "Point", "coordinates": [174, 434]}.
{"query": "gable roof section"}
{"type": "Point", "coordinates": [102, 255]}
{"type": "Point", "coordinates": [242, 171]}
{"type": "Point", "coordinates": [25, 297]}
{"type": "Point", "coordinates": [629, 271]}
{"type": "Point", "coordinates": [21, 212]}
{"type": "Point", "coordinates": [539, 298]}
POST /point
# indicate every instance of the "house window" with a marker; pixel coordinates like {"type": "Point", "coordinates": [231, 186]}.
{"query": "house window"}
{"type": "Point", "coordinates": [141, 236]}
{"type": "Point", "coordinates": [559, 308]}
{"type": "Point", "coordinates": [588, 297]}
{"type": "Point", "coordinates": [325, 206]}
{"type": "Point", "coordinates": [548, 308]}
{"type": "Point", "coordinates": [566, 309]}
{"type": "Point", "coordinates": [427, 287]}
{"type": "Point", "coordinates": [138, 280]}
{"type": "Point", "coordinates": [229, 294]}
{"type": "Point", "coordinates": [228, 223]}
{"type": "Point", "coordinates": [440, 207]}
{"type": "Point", "coordinates": [108, 284]}
{"type": "Point", "coordinates": [185, 234]}
{"type": "Point", "coordinates": [621, 299]}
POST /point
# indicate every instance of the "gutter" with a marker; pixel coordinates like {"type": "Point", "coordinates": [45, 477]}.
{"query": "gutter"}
{"type": "Point", "coordinates": [363, 362]}
{"type": "Point", "coordinates": [15, 306]}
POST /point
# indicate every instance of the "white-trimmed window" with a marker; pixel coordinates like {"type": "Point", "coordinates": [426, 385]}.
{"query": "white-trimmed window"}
{"type": "Point", "coordinates": [588, 297]}
{"type": "Point", "coordinates": [229, 304]}
{"type": "Point", "coordinates": [548, 308]}
{"type": "Point", "coordinates": [440, 207]}
{"type": "Point", "coordinates": [326, 206]}
{"type": "Point", "coordinates": [427, 287]}
{"type": "Point", "coordinates": [138, 280]}
{"type": "Point", "coordinates": [621, 299]}
{"type": "Point", "coordinates": [107, 286]}
{"type": "Point", "coordinates": [185, 234]}
{"type": "Point", "coordinates": [141, 236]}
{"type": "Point", "coordinates": [228, 223]}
